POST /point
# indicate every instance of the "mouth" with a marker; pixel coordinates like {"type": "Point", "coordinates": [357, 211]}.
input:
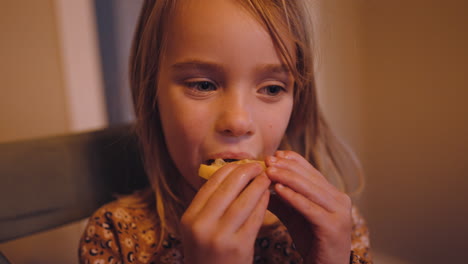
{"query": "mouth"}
{"type": "Point", "coordinates": [211, 161]}
{"type": "Point", "coordinates": [228, 157]}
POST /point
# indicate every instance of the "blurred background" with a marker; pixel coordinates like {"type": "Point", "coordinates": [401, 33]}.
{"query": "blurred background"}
{"type": "Point", "coordinates": [392, 77]}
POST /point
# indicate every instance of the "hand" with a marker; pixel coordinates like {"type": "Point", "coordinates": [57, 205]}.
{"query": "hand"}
{"type": "Point", "coordinates": [223, 220]}
{"type": "Point", "coordinates": [317, 215]}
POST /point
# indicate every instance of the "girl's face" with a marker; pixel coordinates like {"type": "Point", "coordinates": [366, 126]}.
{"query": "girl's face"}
{"type": "Point", "coordinates": [224, 92]}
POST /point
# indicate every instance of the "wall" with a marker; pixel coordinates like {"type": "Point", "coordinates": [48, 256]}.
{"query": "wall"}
{"type": "Point", "coordinates": [32, 101]}
{"type": "Point", "coordinates": [81, 64]}
{"type": "Point", "coordinates": [49, 85]}
{"type": "Point", "coordinates": [50, 74]}
{"type": "Point", "coordinates": [339, 69]}
{"type": "Point", "coordinates": [393, 85]}
{"type": "Point", "coordinates": [341, 82]}
{"type": "Point", "coordinates": [416, 127]}
{"type": "Point", "coordinates": [116, 20]}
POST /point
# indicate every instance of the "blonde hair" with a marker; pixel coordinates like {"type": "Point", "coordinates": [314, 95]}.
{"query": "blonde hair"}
{"type": "Point", "coordinates": [307, 132]}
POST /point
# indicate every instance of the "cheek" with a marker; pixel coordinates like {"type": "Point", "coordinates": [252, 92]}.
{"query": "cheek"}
{"type": "Point", "coordinates": [274, 129]}
{"type": "Point", "coordinates": [183, 129]}
{"type": "Point", "coordinates": [181, 138]}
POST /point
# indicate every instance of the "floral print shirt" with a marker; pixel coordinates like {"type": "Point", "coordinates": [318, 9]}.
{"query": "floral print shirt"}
{"type": "Point", "coordinates": [117, 234]}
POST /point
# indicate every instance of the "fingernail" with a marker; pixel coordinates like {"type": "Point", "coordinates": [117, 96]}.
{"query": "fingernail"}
{"type": "Point", "coordinates": [271, 169]}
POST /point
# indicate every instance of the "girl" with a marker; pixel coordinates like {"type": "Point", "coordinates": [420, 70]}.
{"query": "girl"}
{"type": "Point", "coordinates": [233, 80]}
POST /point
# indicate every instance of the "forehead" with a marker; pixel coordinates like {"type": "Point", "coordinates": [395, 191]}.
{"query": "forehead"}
{"type": "Point", "coordinates": [217, 26]}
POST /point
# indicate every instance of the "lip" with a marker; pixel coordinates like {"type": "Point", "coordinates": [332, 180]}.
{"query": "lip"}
{"type": "Point", "coordinates": [230, 155]}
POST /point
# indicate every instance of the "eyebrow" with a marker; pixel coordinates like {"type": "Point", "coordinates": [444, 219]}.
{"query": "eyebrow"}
{"type": "Point", "coordinates": [213, 67]}
{"type": "Point", "coordinates": [198, 65]}
{"type": "Point", "coordinates": [273, 68]}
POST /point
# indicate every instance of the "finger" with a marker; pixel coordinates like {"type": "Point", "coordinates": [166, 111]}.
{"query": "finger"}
{"type": "Point", "coordinates": [292, 165]}
{"type": "Point", "coordinates": [207, 189]}
{"type": "Point", "coordinates": [294, 162]}
{"type": "Point", "coordinates": [307, 188]}
{"type": "Point", "coordinates": [229, 189]}
{"type": "Point", "coordinates": [298, 163]}
{"type": "Point", "coordinates": [255, 220]}
{"type": "Point", "coordinates": [245, 204]}
{"type": "Point", "coordinates": [313, 212]}
{"type": "Point", "coordinates": [300, 160]}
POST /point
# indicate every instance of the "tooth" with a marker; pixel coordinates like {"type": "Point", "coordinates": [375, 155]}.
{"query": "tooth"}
{"type": "Point", "coordinates": [219, 162]}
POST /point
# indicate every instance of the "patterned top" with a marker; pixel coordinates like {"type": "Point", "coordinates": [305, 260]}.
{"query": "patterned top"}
{"type": "Point", "coordinates": [118, 233]}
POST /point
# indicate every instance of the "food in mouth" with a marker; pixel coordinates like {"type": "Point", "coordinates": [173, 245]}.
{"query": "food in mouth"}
{"type": "Point", "coordinates": [206, 171]}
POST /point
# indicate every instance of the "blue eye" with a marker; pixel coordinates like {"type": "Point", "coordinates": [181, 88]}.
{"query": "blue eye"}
{"type": "Point", "coordinates": [273, 90]}
{"type": "Point", "coordinates": [202, 86]}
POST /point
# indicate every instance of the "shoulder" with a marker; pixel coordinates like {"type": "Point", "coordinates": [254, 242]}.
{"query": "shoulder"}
{"type": "Point", "coordinates": [360, 235]}
{"type": "Point", "coordinates": [126, 219]}
{"type": "Point", "coordinates": [358, 219]}
{"type": "Point", "coordinates": [360, 244]}
{"type": "Point", "coordinates": [123, 211]}
{"type": "Point", "coordinates": [119, 230]}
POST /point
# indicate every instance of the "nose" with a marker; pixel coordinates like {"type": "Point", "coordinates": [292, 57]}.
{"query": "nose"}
{"type": "Point", "coordinates": [235, 118]}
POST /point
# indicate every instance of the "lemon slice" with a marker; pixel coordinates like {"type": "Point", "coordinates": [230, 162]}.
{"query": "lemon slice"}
{"type": "Point", "coordinates": [205, 171]}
